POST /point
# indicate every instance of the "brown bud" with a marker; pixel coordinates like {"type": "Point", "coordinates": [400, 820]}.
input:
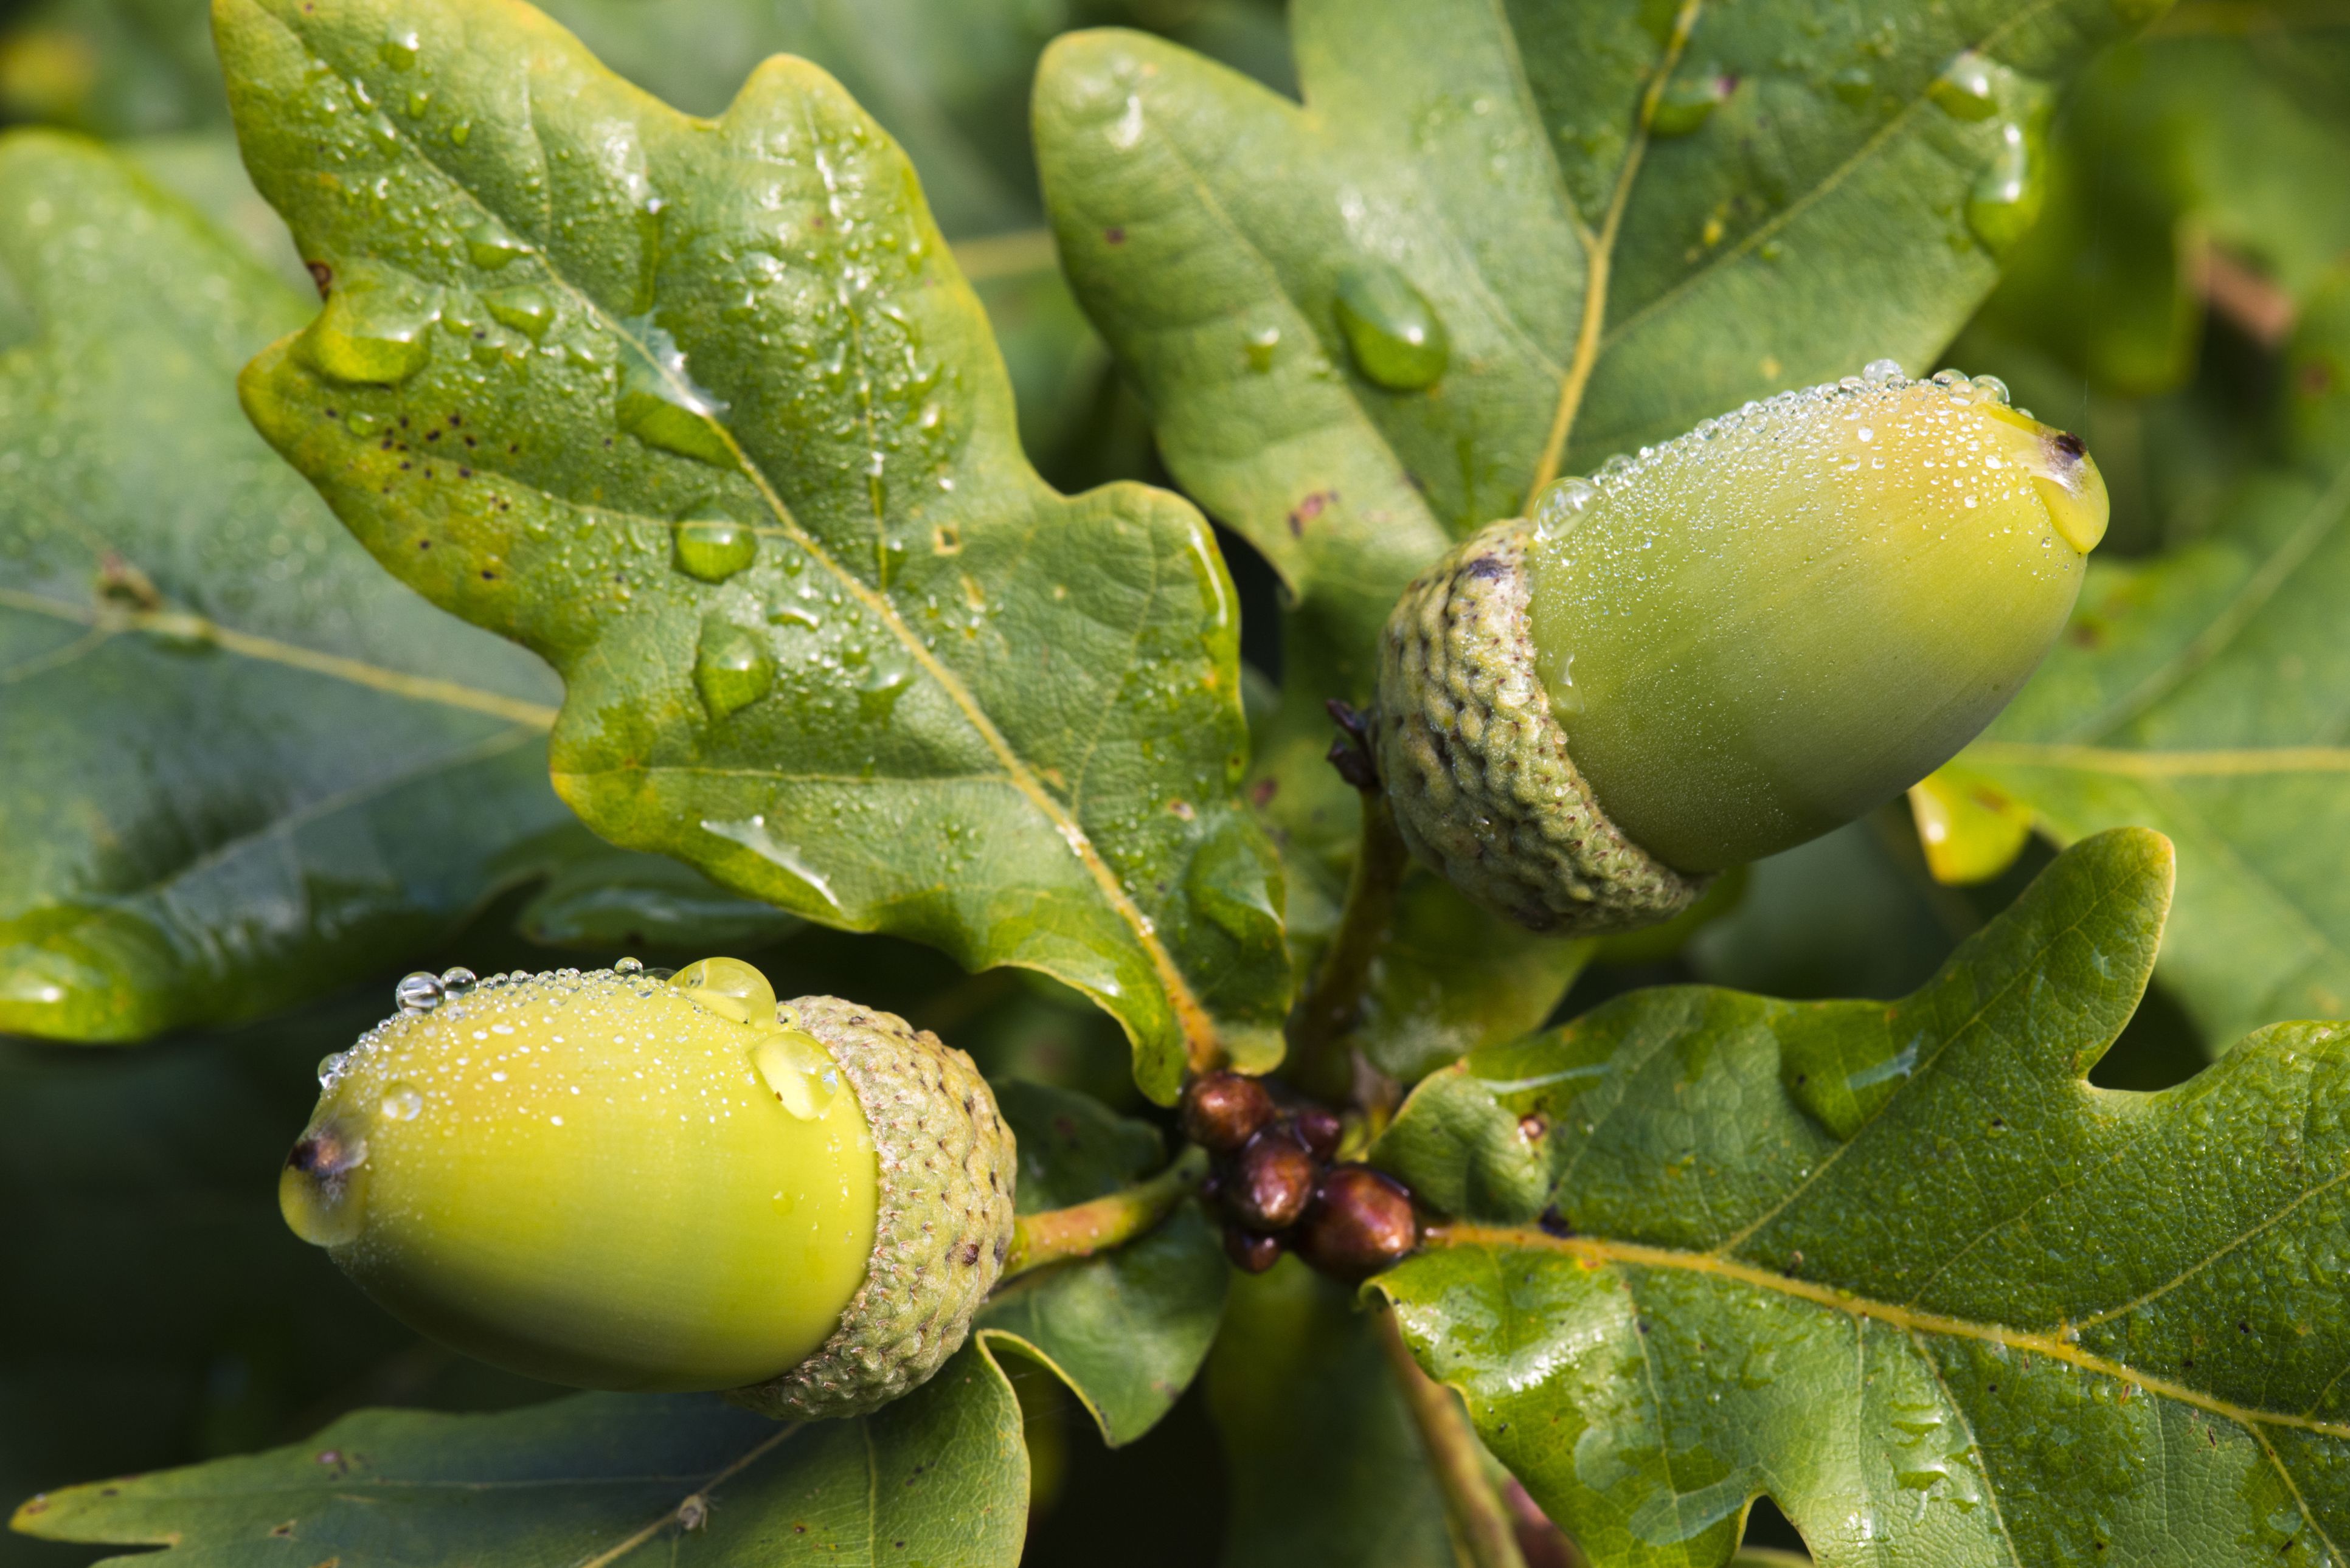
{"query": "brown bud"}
{"type": "Point", "coordinates": [1320, 1128]}
{"type": "Point", "coordinates": [1250, 1252]}
{"type": "Point", "coordinates": [1270, 1182]}
{"type": "Point", "coordinates": [1361, 1222]}
{"type": "Point", "coordinates": [1222, 1110]}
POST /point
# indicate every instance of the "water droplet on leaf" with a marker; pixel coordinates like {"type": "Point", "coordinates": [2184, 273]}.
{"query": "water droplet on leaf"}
{"type": "Point", "coordinates": [375, 329]}
{"type": "Point", "coordinates": [731, 667]}
{"type": "Point", "coordinates": [2005, 200]}
{"type": "Point", "coordinates": [659, 404]}
{"type": "Point", "coordinates": [715, 548]}
{"type": "Point", "coordinates": [1690, 100]}
{"type": "Point", "coordinates": [524, 308]}
{"type": "Point", "coordinates": [1969, 87]}
{"type": "Point", "coordinates": [1392, 332]}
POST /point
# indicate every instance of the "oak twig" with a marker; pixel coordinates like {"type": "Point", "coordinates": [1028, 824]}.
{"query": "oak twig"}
{"type": "Point", "coordinates": [1057, 1235]}
{"type": "Point", "coordinates": [1332, 1005]}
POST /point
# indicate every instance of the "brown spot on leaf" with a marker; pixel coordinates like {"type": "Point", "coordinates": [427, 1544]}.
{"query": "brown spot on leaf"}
{"type": "Point", "coordinates": [1309, 509]}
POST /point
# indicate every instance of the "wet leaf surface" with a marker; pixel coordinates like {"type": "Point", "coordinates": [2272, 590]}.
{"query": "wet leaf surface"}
{"type": "Point", "coordinates": [1897, 1265]}
{"type": "Point", "coordinates": [938, 1477]}
{"type": "Point", "coordinates": [741, 466]}
{"type": "Point", "coordinates": [241, 765]}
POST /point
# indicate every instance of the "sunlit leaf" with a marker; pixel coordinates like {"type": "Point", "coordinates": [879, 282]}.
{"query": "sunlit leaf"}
{"type": "Point", "coordinates": [1899, 1266]}
{"type": "Point", "coordinates": [703, 412]}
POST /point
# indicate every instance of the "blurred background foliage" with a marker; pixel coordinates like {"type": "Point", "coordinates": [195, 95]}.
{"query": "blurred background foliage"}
{"type": "Point", "coordinates": [156, 1310]}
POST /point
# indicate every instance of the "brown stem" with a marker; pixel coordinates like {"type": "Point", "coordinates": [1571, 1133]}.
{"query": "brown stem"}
{"type": "Point", "coordinates": [1055, 1235]}
{"type": "Point", "coordinates": [1332, 1005]}
{"type": "Point", "coordinates": [1481, 1521]}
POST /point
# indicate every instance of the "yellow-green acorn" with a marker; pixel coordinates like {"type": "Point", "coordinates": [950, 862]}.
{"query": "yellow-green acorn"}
{"type": "Point", "coordinates": [1727, 644]}
{"type": "Point", "coordinates": [614, 1179]}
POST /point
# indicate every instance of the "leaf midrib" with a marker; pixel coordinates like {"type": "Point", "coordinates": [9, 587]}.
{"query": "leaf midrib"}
{"type": "Point", "coordinates": [266, 649]}
{"type": "Point", "coordinates": [1593, 1251]}
{"type": "Point", "coordinates": [1199, 1032]}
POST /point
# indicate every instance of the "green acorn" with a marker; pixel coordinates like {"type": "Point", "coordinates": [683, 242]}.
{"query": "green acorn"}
{"type": "Point", "coordinates": [615, 1181]}
{"type": "Point", "coordinates": [1727, 644]}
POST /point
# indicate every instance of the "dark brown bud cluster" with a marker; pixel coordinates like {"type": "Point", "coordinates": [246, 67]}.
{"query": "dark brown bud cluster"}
{"type": "Point", "coordinates": [1280, 1188]}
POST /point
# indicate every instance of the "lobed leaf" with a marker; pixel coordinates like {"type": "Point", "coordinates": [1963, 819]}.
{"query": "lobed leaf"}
{"type": "Point", "coordinates": [1899, 1266]}
{"type": "Point", "coordinates": [1513, 166]}
{"type": "Point", "coordinates": [1125, 1329]}
{"type": "Point", "coordinates": [938, 1477]}
{"type": "Point", "coordinates": [566, 323]}
{"type": "Point", "coordinates": [242, 765]}
{"type": "Point", "coordinates": [2204, 693]}
{"type": "Point", "coordinates": [1623, 217]}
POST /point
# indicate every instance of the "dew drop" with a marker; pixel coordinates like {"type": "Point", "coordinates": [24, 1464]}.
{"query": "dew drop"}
{"type": "Point", "coordinates": [630, 966]}
{"type": "Point", "coordinates": [375, 329]}
{"type": "Point", "coordinates": [715, 547]}
{"type": "Point", "coordinates": [731, 667]}
{"type": "Point", "coordinates": [1855, 85]}
{"type": "Point", "coordinates": [418, 993]}
{"type": "Point", "coordinates": [796, 1070]}
{"type": "Point", "coordinates": [329, 1066]}
{"type": "Point", "coordinates": [1689, 102]}
{"type": "Point", "coordinates": [730, 988]}
{"type": "Point", "coordinates": [401, 1103]}
{"type": "Point", "coordinates": [661, 405]}
{"type": "Point", "coordinates": [2005, 200]}
{"type": "Point", "coordinates": [1261, 345]}
{"type": "Point", "coordinates": [1881, 372]}
{"type": "Point", "coordinates": [1559, 505]}
{"type": "Point", "coordinates": [457, 982]}
{"type": "Point", "coordinates": [524, 308]}
{"type": "Point", "coordinates": [1969, 87]}
{"type": "Point", "coordinates": [1393, 334]}
{"type": "Point", "coordinates": [399, 48]}
{"type": "Point", "coordinates": [490, 247]}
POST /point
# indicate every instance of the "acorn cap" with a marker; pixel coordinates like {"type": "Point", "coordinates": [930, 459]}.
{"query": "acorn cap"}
{"type": "Point", "coordinates": [1476, 768]}
{"type": "Point", "coordinates": [948, 1163]}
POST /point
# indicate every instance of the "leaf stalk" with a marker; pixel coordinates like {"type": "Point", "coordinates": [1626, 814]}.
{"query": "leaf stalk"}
{"type": "Point", "coordinates": [1081, 1229]}
{"type": "Point", "coordinates": [1326, 1014]}
{"type": "Point", "coordinates": [1483, 1531]}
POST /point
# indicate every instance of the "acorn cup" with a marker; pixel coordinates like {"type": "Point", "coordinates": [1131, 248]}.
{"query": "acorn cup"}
{"type": "Point", "coordinates": [612, 1179]}
{"type": "Point", "coordinates": [1726, 644]}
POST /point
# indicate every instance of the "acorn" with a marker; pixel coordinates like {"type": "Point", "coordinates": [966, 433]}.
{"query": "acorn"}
{"type": "Point", "coordinates": [613, 1179]}
{"type": "Point", "coordinates": [1724, 646]}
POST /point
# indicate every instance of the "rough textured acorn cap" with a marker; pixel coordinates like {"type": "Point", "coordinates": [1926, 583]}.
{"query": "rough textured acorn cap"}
{"type": "Point", "coordinates": [1476, 767]}
{"type": "Point", "coordinates": [947, 1166]}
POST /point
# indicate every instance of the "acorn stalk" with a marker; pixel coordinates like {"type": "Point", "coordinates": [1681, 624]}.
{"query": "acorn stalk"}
{"type": "Point", "coordinates": [1729, 644]}
{"type": "Point", "coordinates": [614, 1180]}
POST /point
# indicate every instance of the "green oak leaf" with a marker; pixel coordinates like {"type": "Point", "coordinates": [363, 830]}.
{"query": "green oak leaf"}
{"type": "Point", "coordinates": [2204, 692]}
{"type": "Point", "coordinates": [940, 1477]}
{"type": "Point", "coordinates": [1125, 1329]}
{"type": "Point", "coordinates": [611, 900]}
{"type": "Point", "coordinates": [242, 765]}
{"type": "Point", "coordinates": [1899, 1266]}
{"type": "Point", "coordinates": [703, 412]}
{"type": "Point", "coordinates": [1327, 1471]}
{"type": "Point", "coordinates": [1625, 217]}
